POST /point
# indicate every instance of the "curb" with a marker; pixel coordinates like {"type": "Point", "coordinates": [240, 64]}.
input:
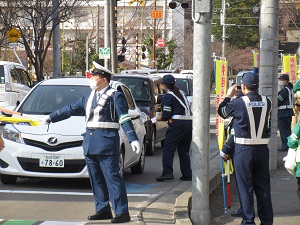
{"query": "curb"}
{"type": "Point", "coordinates": [183, 203]}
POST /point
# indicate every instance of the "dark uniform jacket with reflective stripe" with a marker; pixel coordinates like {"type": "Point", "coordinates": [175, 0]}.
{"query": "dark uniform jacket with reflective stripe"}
{"type": "Point", "coordinates": [284, 100]}
{"type": "Point", "coordinates": [237, 109]}
{"type": "Point", "coordinates": [100, 141]}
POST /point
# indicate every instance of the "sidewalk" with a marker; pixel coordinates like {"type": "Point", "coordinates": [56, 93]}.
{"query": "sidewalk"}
{"type": "Point", "coordinates": [285, 200]}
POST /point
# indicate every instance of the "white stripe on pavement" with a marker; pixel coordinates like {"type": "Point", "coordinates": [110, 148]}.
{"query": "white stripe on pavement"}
{"type": "Point", "coordinates": [68, 193]}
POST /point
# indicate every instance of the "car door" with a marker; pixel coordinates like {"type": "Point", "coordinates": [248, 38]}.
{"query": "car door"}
{"type": "Point", "coordinates": [134, 112]}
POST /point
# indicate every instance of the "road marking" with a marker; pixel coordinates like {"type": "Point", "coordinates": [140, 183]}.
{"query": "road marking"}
{"type": "Point", "coordinates": [68, 193]}
{"type": "Point", "coordinates": [36, 222]}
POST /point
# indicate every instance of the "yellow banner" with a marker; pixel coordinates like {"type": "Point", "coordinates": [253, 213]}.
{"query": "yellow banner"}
{"type": "Point", "coordinates": [255, 58]}
{"type": "Point", "coordinates": [289, 64]}
{"type": "Point", "coordinates": [21, 121]}
{"type": "Point", "coordinates": [221, 88]}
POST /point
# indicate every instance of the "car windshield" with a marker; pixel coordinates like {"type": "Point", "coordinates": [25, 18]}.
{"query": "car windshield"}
{"type": "Point", "coordinates": [139, 87]}
{"type": "Point", "coordinates": [45, 99]}
{"type": "Point", "coordinates": [183, 84]}
{"type": "Point", "coordinates": [2, 77]}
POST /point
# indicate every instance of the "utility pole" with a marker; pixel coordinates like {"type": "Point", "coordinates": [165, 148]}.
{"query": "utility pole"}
{"type": "Point", "coordinates": [106, 30]}
{"type": "Point", "coordinates": [113, 39]}
{"type": "Point", "coordinates": [202, 12]}
{"type": "Point", "coordinates": [154, 39]}
{"type": "Point", "coordinates": [56, 40]}
{"type": "Point", "coordinates": [222, 22]}
{"type": "Point", "coordinates": [268, 66]}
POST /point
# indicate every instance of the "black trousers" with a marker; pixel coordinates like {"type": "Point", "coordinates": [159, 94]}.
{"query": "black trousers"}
{"type": "Point", "coordinates": [284, 126]}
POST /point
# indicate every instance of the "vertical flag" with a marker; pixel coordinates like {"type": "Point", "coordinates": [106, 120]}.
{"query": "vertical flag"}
{"type": "Point", "coordinates": [255, 58]}
{"type": "Point", "coordinates": [289, 64]}
{"type": "Point", "coordinates": [221, 87]}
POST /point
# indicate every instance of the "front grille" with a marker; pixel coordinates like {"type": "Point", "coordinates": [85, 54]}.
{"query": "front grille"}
{"type": "Point", "coordinates": [51, 148]}
{"type": "Point", "coordinates": [71, 166]}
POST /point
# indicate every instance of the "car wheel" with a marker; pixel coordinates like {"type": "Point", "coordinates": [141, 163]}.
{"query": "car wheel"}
{"type": "Point", "coordinates": [121, 163]}
{"type": "Point", "coordinates": [140, 166]}
{"type": "Point", "coordinates": [8, 179]}
{"type": "Point", "coordinates": [151, 145]}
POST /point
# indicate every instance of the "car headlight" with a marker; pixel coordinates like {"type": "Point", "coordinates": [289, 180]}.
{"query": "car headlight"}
{"type": "Point", "coordinates": [12, 134]}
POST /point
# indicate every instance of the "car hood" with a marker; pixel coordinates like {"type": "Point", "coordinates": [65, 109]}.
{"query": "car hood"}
{"type": "Point", "coordinates": [72, 126]}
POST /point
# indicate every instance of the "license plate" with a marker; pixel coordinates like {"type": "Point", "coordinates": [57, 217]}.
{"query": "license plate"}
{"type": "Point", "coordinates": [52, 161]}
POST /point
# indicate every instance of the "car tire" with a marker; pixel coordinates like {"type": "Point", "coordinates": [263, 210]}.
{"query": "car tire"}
{"type": "Point", "coordinates": [140, 166]}
{"type": "Point", "coordinates": [8, 179]}
{"type": "Point", "coordinates": [150, 150]}
{"type": "Point", "coordinates": [121, 162]}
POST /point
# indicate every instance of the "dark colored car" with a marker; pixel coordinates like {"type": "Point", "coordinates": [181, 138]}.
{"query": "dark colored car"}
{"type": "Point", "coordinates": [147, 92]}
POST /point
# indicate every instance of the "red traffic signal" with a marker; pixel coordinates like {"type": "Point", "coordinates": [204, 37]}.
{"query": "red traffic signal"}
{"type": "Point", "coordinates": [172, 4]}
{"type": "Point", "coordinates": [143, 48]}
{"type": "Point", "coordinates": [123, 49]}
{"type": "Point", "coordinates": [143, 56]}
{"type": "Point", "coordinates": [123, 40]}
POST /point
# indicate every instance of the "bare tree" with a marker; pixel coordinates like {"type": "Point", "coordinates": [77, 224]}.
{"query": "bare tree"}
{"type": "Point", "coordinates": [35, 21]}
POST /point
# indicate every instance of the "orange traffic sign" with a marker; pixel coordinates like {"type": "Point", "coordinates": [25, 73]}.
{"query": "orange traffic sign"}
{"type": "Point", "coordinates": [13, 34]}
{"type": "Point", "coordinates": [157, 14]}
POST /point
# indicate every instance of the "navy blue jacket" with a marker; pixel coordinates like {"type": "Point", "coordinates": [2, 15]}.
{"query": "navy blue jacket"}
{"type": "Point", "coordinates": [101, 141]}
{"type": "Point", "coordinates": [284, 100]}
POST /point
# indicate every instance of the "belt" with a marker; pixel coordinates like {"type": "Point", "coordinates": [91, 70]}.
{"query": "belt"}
{"type": "Point", "coordinates": [182, 117]}
{"type": "Point", "coordinates": [111, 125]}
{"type": "Point", "coordinates": [285, 107]}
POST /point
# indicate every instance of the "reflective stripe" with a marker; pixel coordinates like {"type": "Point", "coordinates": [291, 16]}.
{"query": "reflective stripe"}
{"type": "Point", "coordinates": [182, 117]}
{"type": "Point", "coordinates": [186, 106]}
{"type": "Point", "coordinates": [285, 107]}
{"type": "Point", "coordinates": [103, 125]}
{"type": "Point", "coordinates": [294, 137]}
{"type": "Point", "coordinates": [248, 141]}
{"type": "Point", "coordinates": [124, 118]}
{"type": "Point", "coordinates": [167, 108]}
{"type": "Point", "coordinates": [100, 103]}
{"type": "Point", "coordinates": [256, 138]}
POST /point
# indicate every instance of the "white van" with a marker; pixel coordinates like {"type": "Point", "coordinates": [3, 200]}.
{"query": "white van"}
{"type": "Point", "coordinates": [15, 83]}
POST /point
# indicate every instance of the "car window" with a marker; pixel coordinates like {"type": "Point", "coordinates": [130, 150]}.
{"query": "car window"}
{"type": "Point", "coordinates": [24, 77]}
{"type": "Point", "coordinates": [140, 88]}
{"type": "Point", "coordinates": [155, 89]}
{"type": "Point", "coordinates": [45, 99]}
{"type": "Point", "coordinates": [15, 76]}
{"type": "Point", "coordinates": [183, 84]}
{"type": "Point", "coordinates": [128, 97]}
{"type": "Point", "coordinates": [2, 77]}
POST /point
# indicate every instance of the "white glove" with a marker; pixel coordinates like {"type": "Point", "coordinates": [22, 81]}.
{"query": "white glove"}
{"type": "Point", "coordinates": [224, 156]}
{"type": "Point", "coordinates": [136, 146]}
{"type": "Point", "coordinates": [47, 120]}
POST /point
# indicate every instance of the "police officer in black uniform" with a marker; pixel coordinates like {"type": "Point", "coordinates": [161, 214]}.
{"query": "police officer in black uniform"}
{"type": "Point", "coordinates": [251, 157]}
{"type": "Point", "coordinates": [177, 112]}
{"type": "Point", "coordinates": [106, 109]}
{"type": "Point", "coordinates": [285, 109]}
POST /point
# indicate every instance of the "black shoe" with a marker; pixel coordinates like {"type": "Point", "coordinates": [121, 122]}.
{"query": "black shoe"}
{"type": "Point", "coordinates": [100, 216]}
{"type": "Point", "coordinates": [186, 178]}
{"type": "Point", "coordinates": [283, 149]}
{"type": "Point", "coordinates": [121, 218]}
{"type": "Point", "coordinates": [237, 213]}
{"type": "Point", "coordinates": [169, 176]}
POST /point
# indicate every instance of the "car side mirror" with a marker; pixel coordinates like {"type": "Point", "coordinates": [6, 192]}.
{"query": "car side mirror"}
{"type": "Point", "coordinates": [159, 98]}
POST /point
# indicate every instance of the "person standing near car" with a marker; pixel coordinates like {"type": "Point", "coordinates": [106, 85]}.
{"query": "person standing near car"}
{"type": "Point", "coordinates": [285, 109]}
{"type": "Point", "coordinates": [251, 115]}
{"type": "Point", "coordinates": [177, 112]}
{"type": "Point", "coordinates": [106, 109]}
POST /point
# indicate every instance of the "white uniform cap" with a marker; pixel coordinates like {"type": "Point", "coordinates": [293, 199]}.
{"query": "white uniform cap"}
{"type": "Point", "coordinates": [100, 70]}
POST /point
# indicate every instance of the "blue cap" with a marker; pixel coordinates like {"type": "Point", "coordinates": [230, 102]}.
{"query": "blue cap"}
{"type": "Point", "coordinates": [251, 80]}
{"type": "Point", "coordinates": [284, 77]}
{"type": "Point", "coordinates": [168, 79]}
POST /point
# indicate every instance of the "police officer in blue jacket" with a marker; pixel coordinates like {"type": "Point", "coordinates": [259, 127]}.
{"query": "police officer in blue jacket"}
{"type": "Point", "coordinates": [177, 112]}
{"type": "Point", "coordinates": [106, 109]}
{"type": "Point", "coordinates": [285, 109]}
{"type": "Point", "coordinates": [251, 157]}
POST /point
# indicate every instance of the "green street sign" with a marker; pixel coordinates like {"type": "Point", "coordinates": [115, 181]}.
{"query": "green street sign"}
{"type": "Point", "coordinates": [104, 53]}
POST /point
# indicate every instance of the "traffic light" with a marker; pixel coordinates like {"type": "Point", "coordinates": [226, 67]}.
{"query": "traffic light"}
{"type": "Point", "coordinates": [172, 4]}
{"type": "Point", "coordinates": [123, 49]}
{"type": "Point", "coordinates": [121, 58]}
{"type": "Point", "coordinates": [123, 41]}
{"type": "Point", "coordinates": [143, 50]}
{"type": "Point", "coordinates": [184, 5]}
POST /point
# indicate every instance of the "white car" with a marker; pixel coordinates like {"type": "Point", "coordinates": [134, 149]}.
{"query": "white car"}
{"type": "Point", "coordinates": [56, 150]}
{"type": "Point", "coordinates": [184, 82]}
